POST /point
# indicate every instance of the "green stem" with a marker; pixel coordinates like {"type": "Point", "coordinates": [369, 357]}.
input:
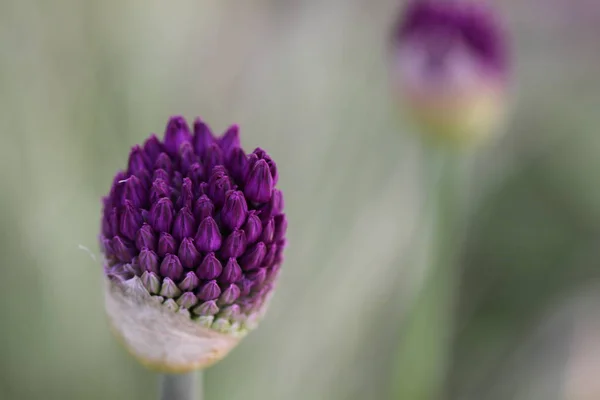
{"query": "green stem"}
{"type": "Point", "coordinates": [181, 386]}
{"type": "Point", "coordinates": [424, 349]}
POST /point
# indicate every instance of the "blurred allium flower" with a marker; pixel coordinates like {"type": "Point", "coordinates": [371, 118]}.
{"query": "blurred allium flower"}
{"type": "Point", "coordinates": [192, 233]}
{"type": "Point", "coordinates": [449, 67]}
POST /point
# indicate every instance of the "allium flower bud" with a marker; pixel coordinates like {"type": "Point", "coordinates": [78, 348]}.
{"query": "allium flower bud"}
{"type": "Point", "coordinates": [166, 244]}
{"type": "Point", "coordinates": [188, 254]}
{"type": "Point", "coordinates": [190, 282]}
{"type": "Point", "coordinates": [171, 267]}
{"type": "Point", "coordinates": [234, 212]}
{"type": "Point", "coordinates": [208, 237]}
{"type": "Point", "coordinates": [187, 300]}
{"type": "Point", "coordinates": [449, 68]}
{"type": "Point", "coordinates": [234, 245]}
{"type": "Point", "coordinates": [210, 268]}
{"type": "Point", "coordinates": [232, 272]}
{"type": "Point", "coordinates": [145, 237]}
{"type": "Point", "coordinates": [169, 289]}
{"type": "Point", "coordinates": [151, 281]}
{"type": "Point", "coordinates": [253, 227]}
{"type": "Point", "coordinates": [148, 260]}
{"type": "Point", "coordinates": [203, 208]}
{"type": "Point", "coordinates": [192, 233]}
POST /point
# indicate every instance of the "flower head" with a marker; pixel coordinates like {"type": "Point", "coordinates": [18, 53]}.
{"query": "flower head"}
{"type": "Point", "coordinates": [450, 67]}
{"type": "Point", "coordinates": [192, 233]}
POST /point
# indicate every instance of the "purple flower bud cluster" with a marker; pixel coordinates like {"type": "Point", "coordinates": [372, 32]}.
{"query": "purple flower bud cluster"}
{"type": "Point", "coordinates": [198, 220]}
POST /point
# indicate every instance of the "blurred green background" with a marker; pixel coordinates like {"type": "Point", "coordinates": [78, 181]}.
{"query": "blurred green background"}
{"type": "Point", "coordinates": [80, 82]}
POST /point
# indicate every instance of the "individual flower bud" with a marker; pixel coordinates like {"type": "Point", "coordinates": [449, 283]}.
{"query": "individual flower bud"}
{"type": "Point", "coordinates": [161, 215]}
{"type": "Point", "coordinates": [138, 160]}
{"type": "Point", "coordinates": [153, 147]}
{"type": "Point", "coordinates": [259, 184]}
{"type": "Point", "coordinates": [233, 214]}
{"type": "Point", "coordinates": [188, 157]}
{"type": "Point", "coordinates": [169, 289]}
{"type": "Point", "coordinates": [196, 174]}
{"type": "Point", "coordinates": [207, 308]}
{"type": "Point", "coordinates": [230, 313]}
{"type": "Point", "coordinates": [257, 276]}
{"type": "Point", "coordinates": [253, 227]}
{"type": "Point", "coordinates": [186, 252]}
{"type": "Point", "coordinates": [163, 161]}
{"type": "Point", "coordinates": [268, 233]}
{"type": "Point", "coordinates": [131, 220]}
{"type": "Point", "coordinates": [161, 175]}
{"type": "Point", "coordinates": [270, 256]}
{"type": "Point", "coordinates": [272, 207]}
{"type": "Point", "coordinates": [171, 267]}
{"type": "Point", "coordinates": [218, 186]}
{"type": "Point", "coordinates": [210, 268]}
{"type": "Point", "coordinates": [151, 282]}
{"type": "Point", "coordinates": [213, 157]}
{"type": "Point", "coordinates": [231, 273]}
{"type": "Point", "coordinates": [230, 295]}
{"type": "Point", "coordinates": [260, 154]}
{"type": "Point", "coordinates": [134, 191]}
{"type": "Point", "coordinates": [254, 257]}
{"type": "Point", "coordinates": [160, 188]}
{"type": "Point", "coordinates": [184, 225]}
{"type": "Point", "coordinates": [176, 134]}
{"type": "Point", "coordinates": [190, 282]}
{"type": "Point", "coordinates": [203, 208]}
{"type": "Point", "coordinates": [188, 255]}
{"type": "Point", "coordinates": [230, 141]}
{"type": "Point", "coordinates": [208, 237]}
{"type": "Point", "coordinates": [166, 245]}
{"type": "Point", "coordinates": [187, 300]}
{"type": "Point", "coordinates": [449, 68]}
{"type": "Point", "coordinates": [203, 137]}
{"type": "Point", "coordinates": [209, 291]}
{"type": "Point", "coordinates": [234, 245]}
{"type": "Point", "coordinates": [187, 194]}
{"type": "Point", "coordinates": [148, 261]}
{"type": "Point", "coordinates": [238, 163]}
{"type": "Point", "coordinates": [145, 238]}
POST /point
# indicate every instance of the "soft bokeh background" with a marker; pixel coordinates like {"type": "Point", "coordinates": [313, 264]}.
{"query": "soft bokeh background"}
{"type": "Point", "coordinates": [81, 81]}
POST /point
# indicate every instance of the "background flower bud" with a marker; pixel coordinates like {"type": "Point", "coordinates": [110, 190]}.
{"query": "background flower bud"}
{"type": "Point", "coordinates": [449, 68]}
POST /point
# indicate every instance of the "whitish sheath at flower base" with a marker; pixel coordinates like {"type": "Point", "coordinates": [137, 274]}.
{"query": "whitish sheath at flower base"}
{"type": "Point", "coordinates": [192, 233]}
{"type": "Point", "coordinates": [449, 68]}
